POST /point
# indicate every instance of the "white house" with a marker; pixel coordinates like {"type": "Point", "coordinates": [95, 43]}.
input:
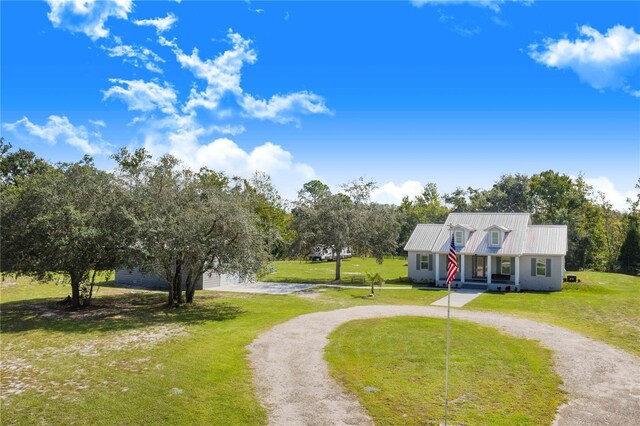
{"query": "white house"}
{"type": "Point", "coordinates": [497, 251]}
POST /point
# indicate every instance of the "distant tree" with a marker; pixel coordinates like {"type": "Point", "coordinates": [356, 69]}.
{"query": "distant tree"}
{"type": "Point", "coordinates": [380, 231]}
{"type": "Point", "coordinates": [343, 220]}
{"type": "Point", "coordinates": [559, 199]}
{"type": "Point", "coordinates": [427, 207]}
{"type": "Point", "coordinates": [630, 251]}
{"type": "Point", "coordinates": [272, 218]}
{"type": "Point", "coordinates": [457, 200]}
{"type": "Point", "coordinates": [67, 219]}
{"type": "Point", "coordinates": [510, 194]}
{"type": "Point", "coordinates": [612, 230]}
{"type": "Point", "coordinates": [17, 165]}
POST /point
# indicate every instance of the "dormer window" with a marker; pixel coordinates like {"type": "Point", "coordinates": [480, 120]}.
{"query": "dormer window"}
{"type": "Point", "coordinates": [496, 235]}
{"type": "Point", "coordinates": [459, 238]}
{"type": "Point", "coordinates": [495, 238]}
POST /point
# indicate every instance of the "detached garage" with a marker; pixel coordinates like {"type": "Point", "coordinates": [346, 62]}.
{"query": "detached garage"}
{"type": "Point", "coordinates": [208, 280]}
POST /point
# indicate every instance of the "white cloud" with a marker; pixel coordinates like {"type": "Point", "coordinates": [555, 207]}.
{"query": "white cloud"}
{"type": "Point", "coordinates": [494, 5]}
{"type": "Point", "coordinates": [59, 129]}
{"type": "Point", "coordinates": [138, 56]}
{"type": "Point", "coordinates": [390, 193]}
{"type": "Point", "coordinates": [143, 96]}
{"type": "Point", "coordinates": [98, 123]}
{"type": "Point", "coordinates": [223, 76]}
{"type": "Point", "coordinates": [161, 24]}
{"type": "Point", "coordinates": [222, 73]}
{"type": "Point", "coordinates": [87, 16]}
{"type": "Point", "coordinates": [281, 108]}
{"type": "Point", "coordinates": [617, 198]}
{"type": "Point", "coordinates": [601, 60]}
{"type": "Point", "coordinates": [228, 129]}
{"type": "Point", "coordinates": [225, 155]}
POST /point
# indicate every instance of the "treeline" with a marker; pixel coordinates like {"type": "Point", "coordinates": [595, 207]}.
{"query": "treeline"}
{"type": "Point", "coordinates": [157, 215]}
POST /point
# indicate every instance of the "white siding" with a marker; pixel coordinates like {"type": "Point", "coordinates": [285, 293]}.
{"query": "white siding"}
{"type": "Point", "coordinates": [422, 275]}
{"type": "Point", "coordinates": [150, 280]}
{"type": "Point", "coordinates": [210, 280]}
{"type": "Point", "coordinates": [540, 283]}
{"type": "Point", "coordinates": [233, 279]}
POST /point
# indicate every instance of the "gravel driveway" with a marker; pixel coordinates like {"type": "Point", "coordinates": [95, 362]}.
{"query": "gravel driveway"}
{"type": "Point", "coordinates": [602, 382]}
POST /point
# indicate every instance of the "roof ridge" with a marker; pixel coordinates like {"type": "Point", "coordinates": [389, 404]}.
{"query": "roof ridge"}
{"type": "Point", "coordinates": [513, 213]}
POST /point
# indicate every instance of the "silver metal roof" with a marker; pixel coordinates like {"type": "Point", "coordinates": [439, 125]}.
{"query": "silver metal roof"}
{"type": "Point", "coordinates": [546, 239]}
{"type": "Point", "coordinates": [423, 236]}
{"type": "Point", "coordinates": [521, 237]}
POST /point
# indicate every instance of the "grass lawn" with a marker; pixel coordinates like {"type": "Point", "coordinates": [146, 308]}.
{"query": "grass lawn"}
{"type": "Point", "coordinates": [396, 368]}
{"type": "Point", "coordinates": [132, 361]}
{"type": "Point", "coordinates": [603, 306]}
{"type": "Point", "coordinates": [353, 271]}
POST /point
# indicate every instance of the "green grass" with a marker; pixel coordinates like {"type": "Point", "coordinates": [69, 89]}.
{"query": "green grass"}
{"type": "Point", "coordinates": [102, 366]}
{"type": "Point", "coordinates": [603, 306]}
{"type": "Point", "coordinates": [353, 270]}
{"type": "Point", "coordinates": [494, 379]}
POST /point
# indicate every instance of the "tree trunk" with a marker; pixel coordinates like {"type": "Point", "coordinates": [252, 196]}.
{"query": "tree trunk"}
{"type": "Point", "coordinates": [93, 280]}
{"type": "Point", "coordinates": [170, 298]}
{"type": "Point", "coordinates": [372, 283]}
{"type": "Point", "coordinates": [177, 282]}
{"type": "Point", "coordinates": [75, 292]}
{"type": "Point", "coordinates": [191, 286]}
{"type": "Point", "coordinates": [338, 266]}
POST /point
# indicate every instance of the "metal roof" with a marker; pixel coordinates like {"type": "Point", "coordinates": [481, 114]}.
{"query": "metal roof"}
{"type": "Point", "coordinates": [521, 237]}
{"type": "Point", "coordinates": [546, 239]}
{"type": "Point", "coordinates": [423, 236]}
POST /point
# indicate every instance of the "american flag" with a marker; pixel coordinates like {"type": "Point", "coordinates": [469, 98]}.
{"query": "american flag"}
{"type": "Point", "coordinates": [453, 263]}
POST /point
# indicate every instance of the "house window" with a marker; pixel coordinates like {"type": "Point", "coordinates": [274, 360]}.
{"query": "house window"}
{"type": "Point", "coordinates": [459, 238]}
{"type": "Point", "coordinates": [505, 266]}
{"type": "Point", "coordinates": [541, 267]}
{"type": "Point", "coordinates": [424, 261]}
{"type": "Point", "coordinates": [495, 238]}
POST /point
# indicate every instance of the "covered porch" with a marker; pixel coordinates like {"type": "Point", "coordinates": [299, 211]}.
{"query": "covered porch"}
{"type": "Point", "coordinates": [480, 271]}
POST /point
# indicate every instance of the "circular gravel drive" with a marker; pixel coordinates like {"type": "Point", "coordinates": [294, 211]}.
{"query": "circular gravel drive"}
{"type": "Point", "coordinates": [602, 382]}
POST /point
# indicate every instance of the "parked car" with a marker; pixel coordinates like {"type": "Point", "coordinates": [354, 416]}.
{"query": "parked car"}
{"type": "Point", "coordinates": [326, 253]}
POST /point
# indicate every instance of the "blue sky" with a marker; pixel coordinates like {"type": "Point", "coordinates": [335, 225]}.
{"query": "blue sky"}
{"type": "Point", "coordinates": [403, 92]}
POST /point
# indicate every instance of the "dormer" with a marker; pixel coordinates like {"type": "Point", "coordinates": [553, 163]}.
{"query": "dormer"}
{"type": "Point", "coordinates": [497, 234]}
{"type": "Point", "coordinates": [461, 233]}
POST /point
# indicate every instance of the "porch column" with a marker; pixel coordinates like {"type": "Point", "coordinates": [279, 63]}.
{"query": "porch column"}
{"type": "Point", "coordinates": [488, 269]}
{"type": "Point", "coordinates": [436, 256]}
{"type": "Point", "coordinates": [517, 277]}
{"type": "Point", "coordinates": [462, 268]}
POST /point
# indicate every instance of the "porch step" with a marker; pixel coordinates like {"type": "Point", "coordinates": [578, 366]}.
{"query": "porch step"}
{"type": "Point", "coordinates": [475, 286]}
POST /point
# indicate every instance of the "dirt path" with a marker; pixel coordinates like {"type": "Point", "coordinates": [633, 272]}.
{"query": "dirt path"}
{"type": "Point", "coordinates": [602, 382]}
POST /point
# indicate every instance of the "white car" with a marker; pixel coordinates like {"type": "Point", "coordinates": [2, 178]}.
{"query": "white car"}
{"type": "Point", "coordinates": [322, 253]}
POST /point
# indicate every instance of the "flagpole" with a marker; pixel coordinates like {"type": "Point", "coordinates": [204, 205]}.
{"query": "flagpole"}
{"type": "Point", "coordinates": [446, 368]}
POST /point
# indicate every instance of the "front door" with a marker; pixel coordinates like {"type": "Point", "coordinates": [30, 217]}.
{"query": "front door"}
{"type": "Point", "coordinates": [480, 269]}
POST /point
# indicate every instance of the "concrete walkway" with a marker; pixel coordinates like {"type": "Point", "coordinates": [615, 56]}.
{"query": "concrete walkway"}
{"type": "Point", "coordinates": [459, 297]}
{"type": "Point", "coordinates": [264, 288]}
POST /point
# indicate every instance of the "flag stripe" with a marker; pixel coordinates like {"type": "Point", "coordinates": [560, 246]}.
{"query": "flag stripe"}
{"type": "Point", "coordinates": [453, 263]}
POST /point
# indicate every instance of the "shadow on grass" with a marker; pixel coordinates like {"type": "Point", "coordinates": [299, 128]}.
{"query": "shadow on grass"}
{"type": "Point", "coordinates": [110, 313]}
